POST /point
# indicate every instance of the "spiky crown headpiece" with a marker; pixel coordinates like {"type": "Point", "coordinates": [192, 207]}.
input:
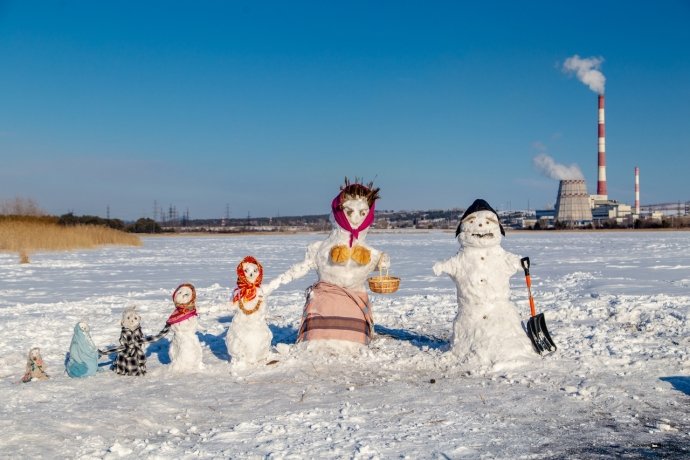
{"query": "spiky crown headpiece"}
{"type": "Point", "coordinates": [357, 189]}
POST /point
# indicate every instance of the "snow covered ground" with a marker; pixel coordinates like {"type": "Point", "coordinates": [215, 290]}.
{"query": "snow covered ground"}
{"type": "Point", "coordinates": [617, 304]}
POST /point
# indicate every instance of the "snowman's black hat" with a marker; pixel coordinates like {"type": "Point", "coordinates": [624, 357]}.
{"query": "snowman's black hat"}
{"type": "Point", "coordinates": [479, 205]}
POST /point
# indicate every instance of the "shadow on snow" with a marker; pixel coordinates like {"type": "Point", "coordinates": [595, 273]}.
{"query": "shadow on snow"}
{"type": "Point", "coordinates": [215, 343]}
{"type": "Point", "coordinates": [679, 383]}
{"type": "Point", "coordinates": [283, 334]}
{"type": "Point", "coordinates": [415, 339]}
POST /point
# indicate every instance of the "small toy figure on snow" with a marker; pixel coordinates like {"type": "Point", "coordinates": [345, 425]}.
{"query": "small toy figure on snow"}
{"type": "Point", "coordinates": [185, 350]}
{"type": "Point", "coordinates": [131, 359]}
{"type": "Point", "coordinates": [337, 312]}
{"type": "Point", "coordinates": [83, 353]}
{"type": "Point", "coordinates": [249, 338]}
{"type": "Point", "coordinates": [34, 366]}
{"type": "Point", "coordinates": [487, 331]}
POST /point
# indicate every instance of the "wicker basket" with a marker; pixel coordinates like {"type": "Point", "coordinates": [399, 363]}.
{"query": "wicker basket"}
{"type": "Point", "coordinates": [384, 284]}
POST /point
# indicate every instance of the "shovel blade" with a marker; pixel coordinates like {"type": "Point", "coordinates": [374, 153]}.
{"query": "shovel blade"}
{"type": "Point", "coordinates": [539, 335]}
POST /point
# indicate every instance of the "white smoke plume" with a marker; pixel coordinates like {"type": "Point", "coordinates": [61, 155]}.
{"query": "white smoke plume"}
{"type": "Point", "coordinates": [547, 166]}
{"type": "Point", "coordinates": [587, 71]}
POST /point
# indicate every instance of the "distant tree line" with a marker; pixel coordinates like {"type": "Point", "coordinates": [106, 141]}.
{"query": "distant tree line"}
{"type": "Point", "coordinates": [70, 219]}
{"type": "Point", "coordinates": [143, 225]}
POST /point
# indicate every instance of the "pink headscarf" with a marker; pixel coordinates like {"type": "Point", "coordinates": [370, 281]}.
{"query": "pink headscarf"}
{"type": "Point", "coordinates": [183, 311]}
{"type": "Point", "coordinates": [341, 219]}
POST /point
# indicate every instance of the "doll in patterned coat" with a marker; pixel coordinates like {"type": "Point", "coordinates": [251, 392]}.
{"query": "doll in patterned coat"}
{"type": "Point", "coordinates": [131, 359]}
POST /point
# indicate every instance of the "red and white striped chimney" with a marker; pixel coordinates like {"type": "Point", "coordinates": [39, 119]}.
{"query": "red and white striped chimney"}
{"type": "Point", "coordinates": [601, 182]}
{"type": "Point", "coordinates": [637, 190]}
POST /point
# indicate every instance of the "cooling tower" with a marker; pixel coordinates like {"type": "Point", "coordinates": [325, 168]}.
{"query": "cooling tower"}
{"type": "Point", "coordinates": [572, 204]}
{"type": "Point", "coordinates": [601, 182]}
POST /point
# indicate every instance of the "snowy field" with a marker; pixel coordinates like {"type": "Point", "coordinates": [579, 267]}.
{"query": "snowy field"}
{"type": "Point", "coordinates": [617, 304]}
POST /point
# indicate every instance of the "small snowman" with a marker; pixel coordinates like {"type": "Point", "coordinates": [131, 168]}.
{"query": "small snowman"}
{"type": "Point", "coordinates": [487, 331]}
{"type": "Point", "coordinates": [35, 369]}
{"type": "Point", "coordinates": [249, 337]}
{"type": "Point", "coordinates": [83, 353]}
{"type": "Point", "coordinates": [185, 350]}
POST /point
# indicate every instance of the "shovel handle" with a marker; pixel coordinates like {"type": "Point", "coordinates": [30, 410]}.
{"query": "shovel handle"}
{"type": "Point", "coordinates": [528, 279]}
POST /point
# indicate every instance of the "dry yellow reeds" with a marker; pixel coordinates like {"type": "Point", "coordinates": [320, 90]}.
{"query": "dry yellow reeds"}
{"type": "Point", "coordinates": [25, 236]}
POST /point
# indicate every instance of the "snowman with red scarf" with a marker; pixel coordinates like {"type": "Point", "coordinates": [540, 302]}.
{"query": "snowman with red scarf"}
{"type": "Point", "coordinates": [185, 349]}
{"type": "Point", "coordinates": [249, 337]}
{"type": "Point", "coordinates": [337, 315]}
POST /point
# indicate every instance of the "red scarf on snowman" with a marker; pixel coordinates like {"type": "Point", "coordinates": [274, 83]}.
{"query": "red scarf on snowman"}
{"type": "Point", "coordinates": [186, 310]}
{"type": "Point", "coordinates": [246, 290]}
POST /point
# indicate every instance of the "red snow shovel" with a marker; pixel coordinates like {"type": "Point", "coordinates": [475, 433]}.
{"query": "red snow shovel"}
{"type": "Point", "coordinates": [536, 324]}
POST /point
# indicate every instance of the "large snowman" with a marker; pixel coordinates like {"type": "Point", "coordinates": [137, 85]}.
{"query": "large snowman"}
{"type": "Point", "coordinates": [249, 337]}
{"type": "Point", "coordinates": [337, 314]}
{"type": "Point", "coordinates": [487, 331]}
{"type": "Point", "coordinates": [185, 349]}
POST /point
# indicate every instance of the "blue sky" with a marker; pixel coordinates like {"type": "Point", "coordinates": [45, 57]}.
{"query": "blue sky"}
{"type": "Point", "coordinates": [266, 106]}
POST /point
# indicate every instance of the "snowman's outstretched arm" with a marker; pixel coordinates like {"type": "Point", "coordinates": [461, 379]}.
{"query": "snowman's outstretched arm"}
{"type": "Point", "coordinates": [157, 337]}
{"type": "Point", "coordinates": [445, 266]}
{"type": "Point", "coordinates": [297, 271]}
{"type": "Point", "coordinates": [384, 262]}
{"type": "Point", "coordinates": [107, 351]}
{"type": "Point", "coordinates": [513, 261]}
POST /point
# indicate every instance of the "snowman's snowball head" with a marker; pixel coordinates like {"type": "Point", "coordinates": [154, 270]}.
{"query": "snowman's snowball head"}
{"type": "Point", "coordinates": [184, 295]}
{"type": "Point", "coordinates": [35, 354]}
{"type": "Point", "coordinates": [356, 210]}
{"type": "Point", "coordinates": [250, 274]}
{"type": "Point", "coordinates": [480, 229]}
{"type": "Point", "coordinates": [130, 318]}
{"type": "Point", "coordinates": [251, 271]}
{"type": "Point", "coordinates": [84, 327]}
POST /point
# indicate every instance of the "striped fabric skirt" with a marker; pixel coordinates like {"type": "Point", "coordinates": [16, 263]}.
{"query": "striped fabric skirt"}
{"type": "Point", "coordinates": [335, 313]}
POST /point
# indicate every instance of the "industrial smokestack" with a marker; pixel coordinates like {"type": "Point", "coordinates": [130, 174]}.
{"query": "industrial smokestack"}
{"type": "Point", "coordinates": [601, 182]}
{"type": "Point", "coordinates": [588, 72]}
{"type": "Point", "coordinates": [637, 190]}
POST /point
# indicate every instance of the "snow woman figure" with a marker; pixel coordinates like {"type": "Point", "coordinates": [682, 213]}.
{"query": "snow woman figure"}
{"type": "Point", "coordinates": [337, 312]}
{"type": "Point", "coordinates": [249, 337]}
{"type": "Point", "coordinates": [487, 331]}
{"type": "Point", "coordinates": [83, 353]}
{"type": "Point", "coordinates": [185, 348]}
